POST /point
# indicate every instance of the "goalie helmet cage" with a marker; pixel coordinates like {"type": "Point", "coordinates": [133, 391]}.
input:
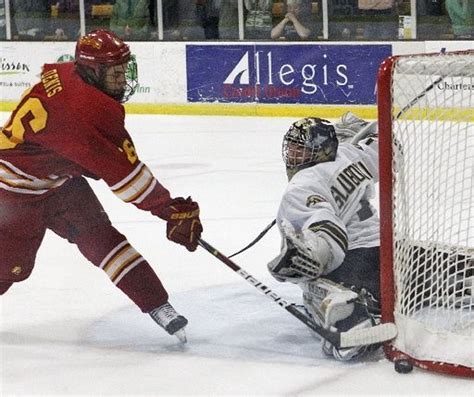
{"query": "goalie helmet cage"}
{"type": "Point", "coordinates": [426, 127]}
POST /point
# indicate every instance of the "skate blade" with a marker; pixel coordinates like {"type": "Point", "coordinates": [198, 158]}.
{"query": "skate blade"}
{"type": "Point", "coordinates": [181, 335]}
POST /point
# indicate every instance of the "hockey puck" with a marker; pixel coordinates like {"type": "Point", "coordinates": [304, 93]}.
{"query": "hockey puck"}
{"type": "Point", "coordinates": [403, 366]}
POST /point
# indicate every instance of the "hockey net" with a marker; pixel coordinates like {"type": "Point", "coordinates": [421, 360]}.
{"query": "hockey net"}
{"type": "Point", "coordinates": [426, 127]}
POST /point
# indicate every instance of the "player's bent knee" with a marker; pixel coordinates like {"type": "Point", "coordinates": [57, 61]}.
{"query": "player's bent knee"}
{"type": "Point", "coordinates": [18, 262]}
{"type": "Point", "coordinates": [4, 286]}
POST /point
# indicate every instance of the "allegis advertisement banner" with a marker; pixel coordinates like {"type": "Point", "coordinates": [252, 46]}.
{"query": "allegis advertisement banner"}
{"type": "Point", "coordinates": [306, 74]}
{"type": "Point", "coordinates": [180, 73]}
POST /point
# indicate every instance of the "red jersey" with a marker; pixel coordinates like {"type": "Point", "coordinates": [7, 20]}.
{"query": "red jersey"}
{"type": "Point", "coordinates": [64, 127]}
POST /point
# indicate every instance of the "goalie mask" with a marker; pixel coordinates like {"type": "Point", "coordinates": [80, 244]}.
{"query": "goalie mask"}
{"type": "Point", "coordinates": [309, 141]}
{"type": "Point", "coordinates": [103, 60]}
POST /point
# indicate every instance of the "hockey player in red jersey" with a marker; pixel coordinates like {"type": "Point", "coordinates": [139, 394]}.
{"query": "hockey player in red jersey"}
{"type": "Point", "coordinates": [69, 126]}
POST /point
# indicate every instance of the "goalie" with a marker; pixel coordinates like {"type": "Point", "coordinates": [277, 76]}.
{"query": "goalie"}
{"type": "Point", "coordinates": [330, 231]}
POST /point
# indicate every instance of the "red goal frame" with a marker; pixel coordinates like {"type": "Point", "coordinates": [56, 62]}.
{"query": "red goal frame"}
{"type": "Point", "coordinates": [387, 282]}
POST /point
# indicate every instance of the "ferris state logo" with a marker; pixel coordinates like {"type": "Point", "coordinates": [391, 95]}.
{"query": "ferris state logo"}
{"type": "Point", "coordinates": [16, 270]}
{"type": "Point", "coordinates": [90, 41]}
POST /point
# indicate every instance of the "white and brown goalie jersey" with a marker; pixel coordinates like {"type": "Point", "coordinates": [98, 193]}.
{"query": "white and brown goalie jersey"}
{"type": "Point", "coordinates": [334, 200]}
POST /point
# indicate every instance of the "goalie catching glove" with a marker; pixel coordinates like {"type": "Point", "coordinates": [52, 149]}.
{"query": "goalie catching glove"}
{"type": "Point", "coordinates": [303, 257]}
{"type": "Point", "coordinates": [183, 223]}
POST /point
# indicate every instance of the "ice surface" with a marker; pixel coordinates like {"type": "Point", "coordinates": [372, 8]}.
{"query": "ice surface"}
{"type": "Point", "coordinates": [68, 331]}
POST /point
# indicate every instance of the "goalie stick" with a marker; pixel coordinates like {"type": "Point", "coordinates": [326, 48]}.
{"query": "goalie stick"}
{"type": "Point", "coordinates": [366, 336]}
{"type": "Point", "coordinates": [364, 132]}
{"type": "Point", "coordinates": [368, 129]}
{"type": "Point", "coordinates": [256, 240]}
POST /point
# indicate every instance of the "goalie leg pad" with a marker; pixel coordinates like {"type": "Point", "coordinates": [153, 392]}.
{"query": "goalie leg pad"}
{"type": "Point", "coordinates": [328, 302]}
{"type": "Point", "coordinates": [335, 306]}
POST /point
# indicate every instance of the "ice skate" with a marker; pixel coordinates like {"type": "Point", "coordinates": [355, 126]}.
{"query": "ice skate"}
{"type": "Point", "coordinates": [172, 322]}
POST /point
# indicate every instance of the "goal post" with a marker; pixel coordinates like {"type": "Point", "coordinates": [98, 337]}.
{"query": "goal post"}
{"type": "Point", "coordinates": [426, 142]}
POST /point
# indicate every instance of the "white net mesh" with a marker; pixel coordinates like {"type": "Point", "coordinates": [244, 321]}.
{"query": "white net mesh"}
{"type": "Point", "coordinates": [433, 206]}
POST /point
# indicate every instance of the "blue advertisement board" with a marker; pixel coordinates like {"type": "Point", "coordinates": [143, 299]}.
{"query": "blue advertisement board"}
{"type": "Point", "coordinates": [307, 74]}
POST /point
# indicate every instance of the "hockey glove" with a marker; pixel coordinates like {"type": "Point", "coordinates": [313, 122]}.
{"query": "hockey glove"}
{"type": "Point", "coordinates": [293, 266]}
{"type": "Point", "coordinates": [183, 223]}
{"type": "Point", "coordinates": [308, 244]}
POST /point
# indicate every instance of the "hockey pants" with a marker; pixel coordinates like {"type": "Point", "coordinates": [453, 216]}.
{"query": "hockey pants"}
{"type": "Point", "coordinates": [73, 212]}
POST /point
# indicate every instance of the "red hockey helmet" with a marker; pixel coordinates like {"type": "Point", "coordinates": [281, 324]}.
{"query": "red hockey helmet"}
{"type": "Point", "coordinates": [99, 50]}
{"type": "Point", "coordinates": [101, 47]}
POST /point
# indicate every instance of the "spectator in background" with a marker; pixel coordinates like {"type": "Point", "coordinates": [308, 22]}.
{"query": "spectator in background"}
{"type": "Point", "coordinates": [429, 7]}
{"type": "Point", "coordinates": [296, 24]}
{"type": "Point", "coordinates": [461, 13]}
{"type": "Point", "coordinates": [30, 19]}
{"type": "Point", "coordinates": [258, 23]}
{"type": "Point", "coordinates": [3, 22]}
{"type": "Point", "coordinates": [170, 18]}
{"type": "Point", "coordinates": [98, 13]}
{"type": "Point", "coordinates": [208, 16]}
{"type": "Point", "coordinates": [376, 7]}
{"type": "Point", "coordinates": [384, 28]}
{"type": "Point", "coordinates": [181, 22]}
{"type": "Point", "coordinates": [131, 19]}
{"type": "Point", "coordinates": [229, 20]}
{"type": "Point", "coordinates": [65, 19]}
{"type": "Point", "coordinates": [342, 7]}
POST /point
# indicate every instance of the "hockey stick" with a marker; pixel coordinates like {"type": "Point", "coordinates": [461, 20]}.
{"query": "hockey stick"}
{"type": "Point", "coordinates": [366, 336]}
{"type": "Point", "coordinates": [368, 129]}
{"type": "Point", "coordinates": [256, 240]}
{"type": "Point", "coordinates": [410, 104]}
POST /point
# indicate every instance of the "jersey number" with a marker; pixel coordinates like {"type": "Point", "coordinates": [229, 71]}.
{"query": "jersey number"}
{"type": "Point", "coordinates": [32, 113]}
{"type": "Point", "coordinates": [129, 149]}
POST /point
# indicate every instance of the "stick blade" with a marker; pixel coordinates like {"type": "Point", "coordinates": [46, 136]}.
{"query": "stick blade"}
{"type": "Point", "coordinates": [369, 336]}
